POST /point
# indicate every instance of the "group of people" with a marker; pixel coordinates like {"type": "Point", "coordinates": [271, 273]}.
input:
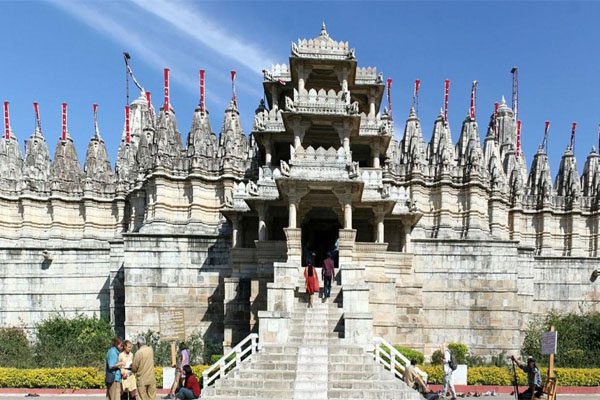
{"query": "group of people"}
{"type": "Point", "coordinates": [415, 381]}
{"type": "Point", "coordinates": [132, 375]}
{"type": "Point", "coordinates": [311, 277]}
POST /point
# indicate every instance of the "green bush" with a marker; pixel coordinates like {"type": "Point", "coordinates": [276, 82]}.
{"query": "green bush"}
{"type": "Point", "coordinates": [460, 351]}
{"type": "Point", "coordinates": [578, 338]}
{"type": "Point", "coordinates": [66, 378]}
{"type": "Point", "coordinates": [212, 348]}
{"type": "Point", "coordinates": [15, 350]}
{"type": "Point", "coordinates": [162, 348]}
{"type": "Point", "coordinates": [411, 354]}
{"type": "Point", "coordinates": [437, 357]}
{"type": "Point", "coordinates": [503, 376]}
{"type": "Point", "coordinates": [77, 342]}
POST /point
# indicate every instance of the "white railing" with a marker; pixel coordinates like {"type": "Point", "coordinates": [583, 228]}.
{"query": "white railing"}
{"type": "Point", "coordinates": [229, 361]}
{"type": "Point", "coordinates": [391, 359]}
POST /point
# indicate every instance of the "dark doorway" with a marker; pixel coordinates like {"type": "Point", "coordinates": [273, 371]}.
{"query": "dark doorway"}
{"type": "Point", "coordinates": [319, 235]}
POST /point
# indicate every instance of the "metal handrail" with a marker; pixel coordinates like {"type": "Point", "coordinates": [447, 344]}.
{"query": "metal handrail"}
{"type": "Point", "coordinates": [392, 355]}
{"type": "Point", "coordinates": [229, 361]}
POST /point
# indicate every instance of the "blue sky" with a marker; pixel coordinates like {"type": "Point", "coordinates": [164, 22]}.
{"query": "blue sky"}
{"type": "Point", "coordinates": [58, 51]}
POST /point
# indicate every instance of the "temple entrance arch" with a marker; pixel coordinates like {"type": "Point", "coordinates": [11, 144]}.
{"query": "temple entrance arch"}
{"type": "Point", "coordinates": [320, 220]}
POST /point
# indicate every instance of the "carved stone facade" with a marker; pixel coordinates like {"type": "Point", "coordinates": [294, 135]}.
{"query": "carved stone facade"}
{"type": "Point", "coordinates": [437, 241]}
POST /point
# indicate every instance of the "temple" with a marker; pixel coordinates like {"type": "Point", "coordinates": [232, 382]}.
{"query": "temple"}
{"type": "Point", "coordinates": [435, 241]}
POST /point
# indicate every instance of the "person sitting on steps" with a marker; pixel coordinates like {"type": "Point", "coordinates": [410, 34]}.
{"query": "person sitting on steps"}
{"type": "Point", "coordinates": [312, 281]}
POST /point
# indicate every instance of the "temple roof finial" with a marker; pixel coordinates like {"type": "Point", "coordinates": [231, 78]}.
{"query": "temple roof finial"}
{"type": "Point", "coordinates": [503, 101]}
{"type": "Point", "coordinates": [324, 30]}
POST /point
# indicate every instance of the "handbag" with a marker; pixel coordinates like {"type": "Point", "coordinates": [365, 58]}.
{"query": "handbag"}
{"type": "Point", "coordinates": [109, 379]}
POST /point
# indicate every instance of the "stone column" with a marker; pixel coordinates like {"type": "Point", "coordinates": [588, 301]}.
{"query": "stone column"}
{"type": "Point", "coordinates": [275, 97]}
{"type": "Point", "coordinates": [299, 128]}
{"type": "Point", "coordinates": [235, 230]}
{"type": "Point", "coordinates": [292, 215]}
{"type": "Point", "coordinates": [375, 154]}
{"type": "Point", "coordinates": [407, 237]}
{"type": "Point", "coordinates": [348, 214]}
{"type": "Point", "coordinates": [268, 153]}
{"type": "Point", "coordinates": [262, 222]}
{"type": "Point", "coordinates": [371, 105]}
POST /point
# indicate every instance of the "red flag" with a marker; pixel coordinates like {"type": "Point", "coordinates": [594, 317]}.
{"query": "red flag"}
{"type": "Point", "coordinates": [573, 127]}
{"type": "Point", "coordinates": [38, 122]}
{"type": "Point", "coordinates": [6, 122]}
{"type": "Point", "coordinates": [64, 122]}
{"type": "Point", "coordinates": [446, 93]}
{"type": "Point", "coordinates": [95, 108]}
{"type": "Point", "coordinates": [473, 94]}
{"type": "Point", "coordinates": [127, 133]}
{"type": "Point", "coordinates": [496, 121]}
{"type": "Point", "coordinates": [202, 99]}
{"type": "Point", "coordinates": [166, 105]}
{"type": "Point", "coordinates": [519, 138]}
{"type": "Point", "coordinates": [389, 95]}
{"type": "Point", "coordinates": [233, 95]}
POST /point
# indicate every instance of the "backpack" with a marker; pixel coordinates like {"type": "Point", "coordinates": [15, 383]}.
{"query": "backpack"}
{"type": "Point", "coordinates": [452, 363]}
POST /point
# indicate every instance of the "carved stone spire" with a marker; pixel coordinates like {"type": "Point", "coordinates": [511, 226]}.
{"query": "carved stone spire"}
{"type": "Point", "coordinates": [232, 141]}
{"type": "Point", "coordinates": [591, 175]}
{"type": "Point", "coordinates": [567, 180]}
{"type": "Point", "coordinates": [167, 140]}
{"type": "Point", "coordinates": [412, 144]}
{"type": "Point", "coordinates": [539, 183]}
{"type": "Point", "coordinates": [11, 163]}
{"type": "Point", "coordinates": [493, 163]}
{"type": "Point", "coordinates": [65, 171]}
{"type": "Point", "coordinates": [441, 149]}
{"type": "Point", "coordinates": [37, 163]}
{"type": "Point", "coordinates": [98, 173]}
{"type": "Point", "coordinates": [468, 148]}
{"type": "Point", "coordinates": [202, 142]}
{"type": "Point", "coordinates": [506, 128]}
{"type": "Point", "coordinates": [141, 117]}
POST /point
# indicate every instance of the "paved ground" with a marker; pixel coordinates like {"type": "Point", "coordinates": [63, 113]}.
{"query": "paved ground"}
{"type": "Point", "coordinates": [100, 397]}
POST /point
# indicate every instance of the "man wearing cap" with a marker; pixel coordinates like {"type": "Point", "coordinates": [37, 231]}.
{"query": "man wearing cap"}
{"type": "Point", "coordinates": [534, 380]}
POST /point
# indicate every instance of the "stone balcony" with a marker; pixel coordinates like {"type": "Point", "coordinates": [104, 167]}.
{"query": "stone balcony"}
{"type": "Point", "coordinates": [268, 121]}
{"type": "Point", "coordinates": [368, 76]}
{"type": "Point", "coordinates": [322, 102]}
{"type": "Point", "coordinates": [374, 126]}
{"type": "Point", "coordinates": [277, 73]}
{"type": "Point", "coordinates": [320, 164]}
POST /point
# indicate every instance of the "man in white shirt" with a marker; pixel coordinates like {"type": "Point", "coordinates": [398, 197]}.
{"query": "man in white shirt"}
{"type": "Point", "coordinates": [448, 381]}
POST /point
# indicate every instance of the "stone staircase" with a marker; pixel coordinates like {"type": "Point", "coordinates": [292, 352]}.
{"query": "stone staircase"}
{"type": "Point", "coordinates": [315, 364]}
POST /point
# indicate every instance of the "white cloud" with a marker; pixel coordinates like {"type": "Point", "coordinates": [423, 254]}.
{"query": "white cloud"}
{"type": "Point", "coordinates": [213, 36]}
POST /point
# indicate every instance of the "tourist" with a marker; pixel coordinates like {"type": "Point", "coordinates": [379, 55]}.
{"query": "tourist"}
{"type": "Point", "coordinates": [312, 281]}
{"type": "Point", "coordinates": [129, 383]}
{"type": "Point", "coordinates": [184, 359]}
{"type": "Point", "coordinates": [448, 370]}
{"type": "Point", "coordinates": [327, 273]}
{"type": "Point", "coordinates": [191, 387]}
{"type": "Point", "coordinates": [143, 367]}
{"type": "Point", "coordinates": [534, 380]}
{"type": "Point", "coordinates": [413, 379]}
{"type": "Point", "coordinates": [113, 370]}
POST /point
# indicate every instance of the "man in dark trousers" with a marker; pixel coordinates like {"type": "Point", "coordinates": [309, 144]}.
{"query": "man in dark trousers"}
{"type": "Point", "coordinates": [534, 380]}
{"type": "Point", "coordinates": [327, 273]}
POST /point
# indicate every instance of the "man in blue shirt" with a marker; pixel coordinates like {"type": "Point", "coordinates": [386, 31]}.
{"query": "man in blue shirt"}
{"type": "Point", "coordinates": [113, 377]}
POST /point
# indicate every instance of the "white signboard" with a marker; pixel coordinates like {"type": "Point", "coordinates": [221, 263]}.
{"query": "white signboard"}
{"type": "Point", "coordinates": [168, 377]}
{"type": "Point", "coordinates": [549, 342]}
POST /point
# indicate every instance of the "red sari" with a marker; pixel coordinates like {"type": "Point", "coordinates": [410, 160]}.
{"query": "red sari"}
{"type": "Point", "coordinates": [312, 282]}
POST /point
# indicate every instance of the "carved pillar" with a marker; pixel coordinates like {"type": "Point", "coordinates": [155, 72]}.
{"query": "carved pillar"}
{"type": "Point", "coordinates": [343, 131]}
{"type": "Point", "coordinates": [348, 215]}
{"type": "Point", "coordinates": [380, 228]}
{"type": "Point", "coordinates": [275, 98]}
{"type": "Point", "coordinates": [268, 153]}
{"type": "Point", "coordinates": [292, 215]}
{"type": "Point", "coordinates": [375, 153]}
{"type": "Point", "coordinates": [262, 221]}
{"type": "Point", "coordinates": [371, 104]}
{"type": "Point", "coordinates": [299, 128]}
{"type": "Point", "coordinates": [235, 230]}
{"type": "Point", "coordinates": [407, 237]}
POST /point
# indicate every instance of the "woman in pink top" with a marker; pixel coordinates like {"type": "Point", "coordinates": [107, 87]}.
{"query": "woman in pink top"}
{"type": "Point", "coordinates": [184, 359]}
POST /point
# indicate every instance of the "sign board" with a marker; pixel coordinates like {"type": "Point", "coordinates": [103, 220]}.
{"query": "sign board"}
{"type": "Point", "coordinates": [172, 324]}
{"type": "Point", "coordinates": [549, 342]}
{"type": "Point", "coordinates": [168, 377]}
